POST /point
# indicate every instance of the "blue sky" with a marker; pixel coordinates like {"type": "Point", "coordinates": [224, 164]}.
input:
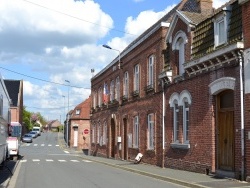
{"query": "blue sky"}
{"type": "Point", "coordinates": [45, 42]}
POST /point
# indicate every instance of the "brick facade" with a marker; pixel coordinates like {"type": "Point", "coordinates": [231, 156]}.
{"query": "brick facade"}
{"type": "Point", "coordinates": [202, 95]}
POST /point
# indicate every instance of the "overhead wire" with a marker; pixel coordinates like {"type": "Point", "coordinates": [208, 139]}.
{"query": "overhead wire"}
{"type": "Point", "coordinates": [99, 25]}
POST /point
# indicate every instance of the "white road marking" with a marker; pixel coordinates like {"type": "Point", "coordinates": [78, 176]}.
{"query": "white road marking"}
{"type": "Point", "coordinates": [36, 160]}
{"type": "Point", "coordinates": [75, 161]}
{"type": "Point", "coordinates": [42, 144]}
{"type": "Point", "coordinates": [57, 145]}
{"type": "Point", "coordinates": [49, 160]}
{"type": "Point", "coordinates": [23, 161]}
{"type": "Point", "coordinates": [49, 145]}
{"type": "Point", "coordinates": [35, 144]}
{"type": "Point", "coordinates": [66, 152]}
{"type": "Point", "coordinates": [61, 160]}
{"type": "Point", "coordinates": [86, 161]}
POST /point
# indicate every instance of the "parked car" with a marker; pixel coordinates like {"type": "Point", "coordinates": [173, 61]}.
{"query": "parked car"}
{"type": "Point", "coordinates": [34, 134]}
{"type": "Point", "coordinates": [38, 130]}
{"type": "Point", "coordinates": [27, 138]}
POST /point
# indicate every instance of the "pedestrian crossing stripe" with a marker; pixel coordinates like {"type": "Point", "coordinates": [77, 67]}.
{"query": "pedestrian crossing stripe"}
{"type": "Point", "coordinates": [62, 160]}
{"type": "Point", "coordinates": [51, 160]}
{"type": "Point", "coordinates": [75, 161]}
{"type": "Point", "coordinates": [39, 145]}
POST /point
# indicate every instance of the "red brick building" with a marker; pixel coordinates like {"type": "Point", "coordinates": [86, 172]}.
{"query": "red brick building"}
{"type": "Point", "coordinates": [179, 97]}
{"type": "Point", "coordinates": [79, 126]}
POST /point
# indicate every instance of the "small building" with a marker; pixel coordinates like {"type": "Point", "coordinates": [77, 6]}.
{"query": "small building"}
{"type": "Point", "coordinates": [15, 91]}
{"type": "Point", "coordinates": [79, 126]}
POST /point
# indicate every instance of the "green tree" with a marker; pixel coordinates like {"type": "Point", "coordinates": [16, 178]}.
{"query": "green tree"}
{"type": "Point", "coordinates": [26, 118]}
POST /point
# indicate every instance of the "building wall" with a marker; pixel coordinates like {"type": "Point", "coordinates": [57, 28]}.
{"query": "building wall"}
{"type": "Point", "coordinates": [83, 139]}
{"type": "Point", "coordinates": [147, 102]}
{"type": "Point", "coordinates": [246, 69]}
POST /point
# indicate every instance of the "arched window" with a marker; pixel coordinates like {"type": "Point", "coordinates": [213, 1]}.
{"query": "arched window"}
{"type": "Point", "coordinates": [179, 42]}
{"type": "Point", "coordinates": [176, 101]}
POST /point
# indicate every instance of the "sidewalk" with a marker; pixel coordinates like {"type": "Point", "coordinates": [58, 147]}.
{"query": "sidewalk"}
{"type": "Point", "coordinates": [185, 178]}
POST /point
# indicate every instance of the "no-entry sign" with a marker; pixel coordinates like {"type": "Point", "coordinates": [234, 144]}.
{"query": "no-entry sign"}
{"type": "Point", "coordinates": [86, 131]}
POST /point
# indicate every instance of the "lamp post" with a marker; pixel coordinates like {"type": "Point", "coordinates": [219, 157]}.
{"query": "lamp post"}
{"type": "Point", "coordinates": [67, 128]}
{"type": "Point", "coordinates": [63, 115]}
{"type": "Point", "coordinates": [108, 47]}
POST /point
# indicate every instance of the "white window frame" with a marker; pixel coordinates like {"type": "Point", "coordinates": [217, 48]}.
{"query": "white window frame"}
{"type": "Point", "coordinates": [151, 60]}
{"type": "Point", "coordinates": [137, 78]}
{"type": "Point", "coordinates": [100, 97]}
{"type": "Point", "coordinates": [136, 132]}
{"type": "Point", "coordinates": [112, 90]}
{"type": "Point", "coordinates": [93, 133]}
{"type": "Point", "coordinates": [98, 133]}
{"type": "Point", "coordinates": [176, 122]}
{"type": "Point", "coordinates": [176, 100]}
{"type": "Point", "coordinates": [179, 42]}
{"type": "Point", "coordinates": [94, 99]}
{"type": "Point", "coordinates": [186, 117]}
{"type": "Point", "coordinates": [126, 85]}
{"type": "Point", "coordinates": [150, 131]}
{"type": "Point", "coordinates": [78, 111]}
{"type": "Point", "coordinates": [104, 133]}
{"type": "Point", "coordinates": [221, 20]}
{"type": "Point", "coordinates": [117, 88]}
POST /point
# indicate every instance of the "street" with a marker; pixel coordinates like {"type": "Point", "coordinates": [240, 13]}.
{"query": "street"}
{"type": "Point", "coordinates": [44, 164]}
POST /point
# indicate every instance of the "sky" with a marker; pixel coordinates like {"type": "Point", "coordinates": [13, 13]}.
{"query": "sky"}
{"type": "Point", "coordinates": [45, 42]}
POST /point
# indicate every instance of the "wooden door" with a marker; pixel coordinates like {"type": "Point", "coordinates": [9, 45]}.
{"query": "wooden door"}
{"type": "Point", "coordinates": [226, 132]}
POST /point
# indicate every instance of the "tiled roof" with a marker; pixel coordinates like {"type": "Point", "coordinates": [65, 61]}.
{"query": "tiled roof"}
{"type": "Point", "coordinates": [184, 5]}
{"type": "Point", "coordinates": [13, 88]}
{"type": "Point", "coordinates": [203, 41]}
{"type": "Point", "coordinates": [84, 109]}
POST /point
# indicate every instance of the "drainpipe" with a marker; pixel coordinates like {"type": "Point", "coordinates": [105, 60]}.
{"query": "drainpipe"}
{"type": "Point", "coordinates": [163, 125]}
{"type": "Point", "coordinates": [242, 118]}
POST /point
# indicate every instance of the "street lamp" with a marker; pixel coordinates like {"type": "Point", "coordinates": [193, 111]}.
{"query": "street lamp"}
{"type": "Point", "coordinates": [108, 47]}
{"type": "Point", "coordinates": [67, 128]}
{"type": "Point", "coordinates": [63, 116]}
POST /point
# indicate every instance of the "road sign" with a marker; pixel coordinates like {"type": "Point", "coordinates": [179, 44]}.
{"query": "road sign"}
{"type": "Point", "coordinates": [86, 131]}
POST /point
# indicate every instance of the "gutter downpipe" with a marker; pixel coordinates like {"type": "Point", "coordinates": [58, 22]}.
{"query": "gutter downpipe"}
{"type": "Point", "coordinates": [242, 118]}
{"type": "Point", "coordinates": [163, 124]}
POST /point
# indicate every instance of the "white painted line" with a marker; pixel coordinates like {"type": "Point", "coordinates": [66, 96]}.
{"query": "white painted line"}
{"type": "Point", "coordinates": [66, 152]}
{"type": "Point", "coordinates": [86, 161]}
{"type": "Point", "coordinates": [35, 144]}
{"type": "Point", "coordinates": [49, 160]}
{"type": "Point", "coordinates": [75, 161]}
{"type": "Point", "coordinates": [49, 145]}
{"type": "Point", "coordinates": [42, 144]}
{"type": "Point", "coordinates": [23, 161]}
{"type": "Point", "coordinates": [57, 145]}
{"type": "Point", "coordinates": [36, 160]}
{"type": "Point", "coordinates": [27, 144]}
{"type": "Point", "coordinates": [62, 160]}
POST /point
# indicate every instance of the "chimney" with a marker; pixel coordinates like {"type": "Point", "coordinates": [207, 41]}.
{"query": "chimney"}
{"type": "Point", "coordinates": [205, 6]}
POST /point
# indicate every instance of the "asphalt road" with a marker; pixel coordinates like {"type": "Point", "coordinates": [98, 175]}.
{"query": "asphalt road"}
{"type": "Point", "coordinates": [44, 164]}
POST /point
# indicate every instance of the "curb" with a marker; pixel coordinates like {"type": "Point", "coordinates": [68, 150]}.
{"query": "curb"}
{"type": "Point", "coordinates": [163, 178]}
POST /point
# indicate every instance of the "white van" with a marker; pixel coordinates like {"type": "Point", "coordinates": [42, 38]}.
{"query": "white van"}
{"type": "Point", "coordinates": [38, 130]}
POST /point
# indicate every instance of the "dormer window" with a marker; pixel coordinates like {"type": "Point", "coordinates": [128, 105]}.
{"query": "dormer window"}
{"type": "Point", "coordinates": [78, 112]}
{"type": "Point", "coordinates": [179, 42]}
{"type": "Point", "coordinates": [221, 27]}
